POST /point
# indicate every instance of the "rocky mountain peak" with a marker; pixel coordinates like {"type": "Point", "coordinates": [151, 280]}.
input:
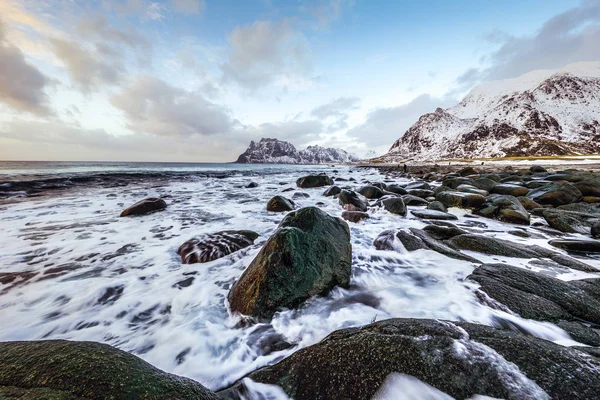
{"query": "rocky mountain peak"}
{"type": "Point", "coordinates": [275, 151]}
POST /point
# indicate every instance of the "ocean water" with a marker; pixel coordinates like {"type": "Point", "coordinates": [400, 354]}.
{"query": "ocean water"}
{"type": "Point", "coordinates": [72, 269]}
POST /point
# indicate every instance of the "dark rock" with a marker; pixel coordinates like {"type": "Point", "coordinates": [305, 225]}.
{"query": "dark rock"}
{"type": "Point", "coordinates": [332, 191]}
{"type": "Point", "coordinates": [484, 184]}
{"type": "Point", "coordinates": [61, 369]}
{"type": "Point", "coordinates": [583, 208]}
{"type": "Point", "coordinates": [371, 192]}
{"type": "Point", "coordinates": [397, 189]}
{"type": "Point", "coordinates": [185, 283]}
{"type": "Point", "coordinates": [419, 185]}
{"type": "Point", "coordinates": [580, 332]}
{"type": "Point", "coordinates": [252, 185]}
{"type": "Point", "coordinates": [504, 208]}
{"type": "Point", "coordinates": [354, 216]}
{"type": "Point", "coordinates": [459, 359]}
{"type": "Point", "coordinates": [422, 193]}
{"type": "Point", "coordinates": [567, 177]}
{"type": "Point", "coordinates": [467, 171]}
{"type": "Point", "coordinates": [145, 206]}
{"type": "Point", "coordinates": [216, 245]}
{"type": "Point", "coordinates": [555, 195]}
{"type": "Point", "coordinates": [471, 189]}
{"type": "Point", "coordinates": [595, 231]}
{"type": "Point", "coordinates": [453, 183]}
{"type": "Point", "coordinates": [300, 195]}
{"type": "Point", "coordinates": [395, 205]}
{"type": "Point", "coordinates": [527, 203]}
{"type": "Point", "coordinates": [442, 232]}
{"type": "Point", "coordinates": [536, 296]}
{"type": "Point", "coordinates": [589, 187]}
{"type": "Point", "coordinates": [495, 246]}
{"type": "Point", "coordinates": [536, 169]}
{"type": "Point", "coordinates": [280, 204]}
{"type": "Point", "coordinates": [462, 200]}
{"type": "Point", "coordinates": [433, 214]}
{"type": "Point", "coordinates": [352, 201]}
{"type": "Point", "coordinates": [565, 222]}
{"type": "Point", "coordinates": [411, 200]}
{"type": "Point", "coordinates": [312, 181]}
{"type": "Point", "coordinates": [578, 245]}
{"type": "Point", "coordinates": [308, 255]}
{"type": "Point", "coordinates": [437, 206]}
{"type": "Point", "coordinates": [510, 189]}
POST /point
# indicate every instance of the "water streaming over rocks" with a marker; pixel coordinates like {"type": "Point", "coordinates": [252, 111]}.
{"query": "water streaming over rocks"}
{"type": "Point", "coordinates": [72, 269]}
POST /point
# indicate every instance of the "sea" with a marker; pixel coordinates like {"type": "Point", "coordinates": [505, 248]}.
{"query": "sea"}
{"type": "Point", "coordinates": [72, 269]}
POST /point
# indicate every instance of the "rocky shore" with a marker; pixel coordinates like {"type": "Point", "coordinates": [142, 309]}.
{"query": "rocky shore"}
{"type": "Point", "coordinates": [310, 255]}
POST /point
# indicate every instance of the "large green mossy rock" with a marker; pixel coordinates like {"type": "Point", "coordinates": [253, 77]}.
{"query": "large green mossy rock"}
{"type": "Point", "coordinates": [65, 370]}
{"type": "Point", "coordinates": [308, 255]}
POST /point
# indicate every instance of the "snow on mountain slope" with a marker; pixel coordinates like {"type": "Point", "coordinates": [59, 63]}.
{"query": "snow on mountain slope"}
{"type": "Point", "coordinates": [274, 151]}
{"type": "Point", "coordinates": [540, 113]}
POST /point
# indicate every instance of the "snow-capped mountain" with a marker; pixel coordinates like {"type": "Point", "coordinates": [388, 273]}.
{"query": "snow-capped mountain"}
{"type": "Point", "coordinates": [550, 112]}
{"type": "Point", "coordinates": [274, 151]}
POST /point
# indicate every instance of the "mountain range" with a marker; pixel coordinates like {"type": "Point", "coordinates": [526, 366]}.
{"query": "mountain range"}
{"type": "Point", "coordinates": [274, 151]}
{"type": "Point", "coordinates": [542, 113]}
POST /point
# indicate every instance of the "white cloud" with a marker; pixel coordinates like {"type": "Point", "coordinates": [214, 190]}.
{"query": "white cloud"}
{"type": "Point", "coordinates": [188, 6]}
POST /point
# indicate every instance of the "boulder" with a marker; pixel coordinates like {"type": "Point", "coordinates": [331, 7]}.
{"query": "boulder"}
{"type": "Point", "coordinates": [352, 201]}
{"type": "Point", "coordinates": [484, 184]}
{"type": "Point", "coordinates": [471, 189]}
{"type": "Point", "coordinates": [443, 232]}
{"type": "Point", "coordinates": [468, 171]}
{"type": "Point", "coordinates": [504, 208]}
{"type": "Point", "coordinates": [332, 191]}
{"type": "Point", "coordinates": [422, 193]}
{"type": "Point", "coordinates": [280, 204]}
{"type": "Point", "coordinates": [433, 214]}
{"type": "Point", "coordinates": [565, 221]}
{"type": "Point", "coordinates": [145, 206]}
{"type": "Point", "coordinates": [577, 245]}
{"type": "Point", "coordinates": [61, 369]}
{"type": "Point", "coordinates": [419, 185]}
{"type": "Point", "coordinates": [537, 169]}
{"type": "Point", "coordinates": [595, 230]}
{"type": "Point", "coordinates": [308, 255]}
{"type": "Point", "coordinates": [437, 206]}
{"type": "Point", "coordinates": [454, 182]}
{"type": "Point", "coordinates": [527, 203]}
{"type": "Point", "coordinates": [510, 189]}
{"type": "Point", "coordinates": [371, 192]}
{"type": "Point", "coordinates": [214, 246]}
{"type": "Point", "coordinates": [555, 195]}
{"type": "Point", "coordinates": [491, 245]}
{"type": "Point", "coordinates": [461, 200]}
{"type": "Point", "coordinates": [251, 185]}
{"type": "Point", "coordinates": [300, 195]}
{"type": "Point", "coordinates": [589, 187]}
{"type": "Point", "coordinates": [395, 205]}
{"type": "Point", "coordinates": [397, 189]}
{"type": "Point", "coordinates": [411, 200]}
{"type": "Point", "coordinates": [459, 359]}
{"type": "Point", "coordinates": [354, 216]}
{"type": "Point", "coordinates": [312, 181]}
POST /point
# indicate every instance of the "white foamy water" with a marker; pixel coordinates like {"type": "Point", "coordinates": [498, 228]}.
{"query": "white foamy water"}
{"type": "Point", "coordinates": [94, 276]}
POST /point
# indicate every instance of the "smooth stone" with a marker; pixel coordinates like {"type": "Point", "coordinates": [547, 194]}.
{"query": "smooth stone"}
{"type": "Point", "coordinates": [397, 189]}
{"type": "Point", "coordinates": [595, 231]}
{"type": "Point", "coordinates": [579, 245]}
{"type": "Point", "coordinates": [536, 169]}
{"type": "Point", "coordinates": [145, 206]}
{"type": "Point", "coordinates": [280, 204]}
{"type": "Point", "coordinates": [461, 200]}
{"type": "Point", "coordinates": [411, 200]}
{"type": "Point", "coordinates": [312, 181]}
{"type": "Point", "coordinates": [555, 195]}
{"type": "Point", "coordinates": [354, 216]}
{"type": "Point", "coordinates": [433, 214]}
{"type": "Point", "coordinates": [216, 245]}
{"type": "Point", "coordinates": [437, 206]}
{"type": "Point", "coordinates": [371, 192]}
{"type": "Point", "coordinates": [422, 193]}
{"type": "Point", "coordinates": [527, 203]}
{"type": "Point", "coordinates": [395, 205]}
{"type": "Point", "coordinates": [471, 189]}
{"type": "Point", "coordinates": [504, 208]}
{"type": "Point", "coordinates": [589, 187]}
{"type": "Point", "coordinates": [352, 201]}
{"type": "Point", "coordinates": [510, 189]}
{"type": "Point", "coordinates": [332, 191]}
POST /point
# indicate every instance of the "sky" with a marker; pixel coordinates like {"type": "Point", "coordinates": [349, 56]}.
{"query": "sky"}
{"type": "Point", "coordinates": [197, 80]}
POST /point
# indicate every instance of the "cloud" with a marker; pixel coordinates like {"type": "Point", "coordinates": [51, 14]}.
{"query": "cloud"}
{"type": "Point", "coordinates": [153, 106]}
{"type": "Point", "coordinates": [188, 6]}
{"type": "Point", "coordinates": [98, 28]}
{"type": "Point", "coordinates": [56, 140]}
{"type": "Point", "coordinates": [337, 108]}
{"type": "Point", "coordinates": [327, 11]}
{"type": "Point", "coordinates": [22, 85]}
{"type": "Point", "coordinates": [266, 51]}
{"type": "Point", "coordinates": [384, 125]}
{"type": "Point", "coordinates": [298, 132]}
{"type": "Point", "coordinates": [571, 36]}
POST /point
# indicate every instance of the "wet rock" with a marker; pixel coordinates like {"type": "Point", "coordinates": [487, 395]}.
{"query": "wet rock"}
{"type": "Point", "coordinates": [565, 222]}
{"type": "Point", "coordinates": [397, 189]}
{"type": "Point", "coordinates": [300, 195]}
{"type": "Point", "coordinates": [528, 204]}
{"type": "Point", "coordinates": [461, 200]}
{"type": "Point", "coordinates": [216, 245]}
{"type": "Point", "coordinates": [459, 359]}
{"type": "Point", "coordinates": [61, 369]}
{"type": "Point", "coordinates": [580, 332]}
{"type": "Point", "coordinates": [422, 193]}
{"type": "Point", "coordinates": [595, 230]}
{"type": "Point", "coordinates": [433, 214]}
{"type": "Point", "coordinates": [491, 245]}
{"type": "Point", "coordinates": [589, 187]}
{"type": "Point", "coordinates": [504, 208]}
{"type": "Point", "coordinates": [510, 189]}
{"type": "Point", "coordinates": [280, 204]}
{"type": "Point", "coordinates": [145, 206]}
{"type": "Point", "coordinates": [395, 205]}
{"type": "Point", "coordinates": [536, 169]}
{"type": "Point", "coordinates": [332, 191]}
{"type": "Point", "coordinates": [582, 208]}
{"type": "Point", "coordinates": [352, 201]}
{"type": "Point", "coordinates": [354, 216]}
{"type": "Point", "coordinates": [312, 181]}
{"type": "Point", "coordinates": [371, 192]}
{"type": "Point", "coordinates": [419, 185]}
{"type": "Point", "coordinates": [437, 206]}
{"type": "Point", "coordinates": [455, 182]}
{"type": "Point", "coordinates": [411, 200]}
{"type": "Point", "coordinates": [471, 189]}
{"type": "Point", "coordinates": [308, 255]}
{"type": "Point", "coordinates": [187, 282]}
{"type": "Point", "coordinates": [251, 185]}
{"type": "Point", "coordinates": [443, 232]}
{"type": "Point", "coordinates": [111, 295]}
{"type": "Point", "coordinates": [555, 195]}
{"type": "Point", "coordinates": [536, 296]}
{"type": "Point", "coordinates": [484, 184]}
{"type": "Point", "coordinates": [577, 245]}
{"type": "Point", "coordinates": [468, 171]}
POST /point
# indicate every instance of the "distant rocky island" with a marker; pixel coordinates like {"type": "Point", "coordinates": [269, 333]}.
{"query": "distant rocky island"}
{"type": "Point", "coordinates": [274, 151]}
{"type": "Point", "coordinates": [542, 113]}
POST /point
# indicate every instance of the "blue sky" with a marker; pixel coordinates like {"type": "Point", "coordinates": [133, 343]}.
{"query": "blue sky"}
{"type": "Point", "coordinates": [196, 80]}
